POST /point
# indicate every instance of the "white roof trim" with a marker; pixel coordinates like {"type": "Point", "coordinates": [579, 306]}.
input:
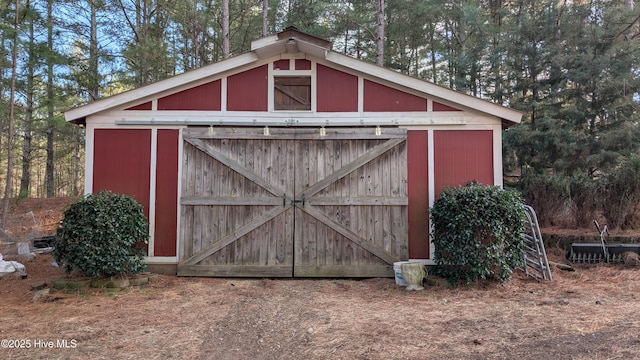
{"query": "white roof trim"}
{"type": "Point", "coordinates": [264, 42]}
{"type": "Point", "coordinates": [271, 46]}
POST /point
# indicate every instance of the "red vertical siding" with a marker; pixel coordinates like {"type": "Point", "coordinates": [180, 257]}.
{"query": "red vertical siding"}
{"type": "Point", "coordinates": [303, 64]}
{"type": "Point", "coordinates": [378, 97]}
{"type": "Point", "coordinates": [337, 90]}
{"type": "Point", "coordinates": [144, 106]}
{"type": "Point", "coordinates": [203, 97]}
{"type": "Point", "coordinates": [442, 107]}
{"type": "Point", "coordinates": [247, 91]}
{"type": "Point", "coordinates": [164, 242]}
{"type": "Point", "coordinates": [418, 178]}
{"type": "Point", "coordinates": [461, 156]}
{"type": "Point", "coordinates": [281, 65]}
{"type": "Point", "coordinates": [121, 163]}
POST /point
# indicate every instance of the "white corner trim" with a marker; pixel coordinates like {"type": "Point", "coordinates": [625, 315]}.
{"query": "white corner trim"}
{"type": "Point", "coordinates": [270, 88]}
{"type": "Point", "coordinates": [497, 156]}
{"type": "Point", "coordinates": [314, 87]}
{"type": "Point", "coordinates": [161, 260]}
{"type": "Point", "coordinates": [431, 184]}
{"type": "Point", "coordinates": [152, 190]}
{"type": "Point", "coordinates": [223, 94]}
{"type": "Point", "coordinates": [428, 262]}
{"type": "Point", "coordinates": [89, 143]}
{"type": "Point", "coordinates": [360, 95]}
{"type": "Point", "coordinates": [179, 192]}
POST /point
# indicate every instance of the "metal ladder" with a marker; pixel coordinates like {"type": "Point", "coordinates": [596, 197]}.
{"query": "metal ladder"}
{"type": "Point", "coordinates": [536, 263]}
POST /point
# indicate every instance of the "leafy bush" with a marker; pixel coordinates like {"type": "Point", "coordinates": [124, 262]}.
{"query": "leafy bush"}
{"type": "Point", "coordinates": [102, 234]}
{"type": "Point", "coordinates": [477, 233]}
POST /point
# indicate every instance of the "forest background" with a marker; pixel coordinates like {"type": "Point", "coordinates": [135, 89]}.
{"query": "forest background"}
{"type": "Point", "coordinates": [571, 66]}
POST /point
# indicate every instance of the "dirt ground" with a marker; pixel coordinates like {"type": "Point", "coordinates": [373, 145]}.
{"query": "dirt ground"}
{"type": "Point", "coordinates": [591, 313]}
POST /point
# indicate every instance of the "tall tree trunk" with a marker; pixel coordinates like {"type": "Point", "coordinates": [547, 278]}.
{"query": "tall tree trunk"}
{"type": "Point", "coordinates": [14, 75]}
{"type": "Point", "coordinates": [94, 78]}
{"type": "Point", "coordinates": [225, 29]}
{"type": "Point", "coordinates": [265, 17]}
{"type": "Point", "coordinates": [434, 64]}
{"type": "Point", "coordinates": [496, 16]}
{"type": "Point", "coordinates": [78, 139]}
{"type": "Point", "coordinates": [380, 34]}
{"type": "Point", "coordinates": [27, 148]}
{"type": "Point", "coordinates": [50, 101]}
{"type": "Point", "coordinates": [196, 43]}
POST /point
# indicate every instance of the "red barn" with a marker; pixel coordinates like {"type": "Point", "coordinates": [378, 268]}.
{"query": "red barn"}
{"type": "Point", "coordinates": [289, 160]}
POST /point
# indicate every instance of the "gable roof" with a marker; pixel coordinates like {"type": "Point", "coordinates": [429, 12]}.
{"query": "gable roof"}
{"type": "Point", "coordinates": [291, 41]}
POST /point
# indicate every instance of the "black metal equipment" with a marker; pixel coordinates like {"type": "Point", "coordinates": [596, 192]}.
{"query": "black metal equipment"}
{"type": "Point", "coordinates": [43, 242]}
{"type": "Point", "coordinates": [600, 252]}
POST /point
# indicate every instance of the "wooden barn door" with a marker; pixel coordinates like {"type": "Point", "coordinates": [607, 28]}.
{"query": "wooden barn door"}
{"type": "Point", "coordinates": [351, 204]}
{"type": "Point", "coordinates": [236, 218]}
{"type": "Point", "coordinates": [293, 203]}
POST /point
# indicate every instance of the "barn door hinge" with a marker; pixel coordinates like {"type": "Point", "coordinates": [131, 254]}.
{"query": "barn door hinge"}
{"type": "Point", "coordinates": [301, 201]}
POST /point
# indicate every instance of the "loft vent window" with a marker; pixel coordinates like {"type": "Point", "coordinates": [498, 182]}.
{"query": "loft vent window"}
{"type": "Point", "coordinates": [292, 93]}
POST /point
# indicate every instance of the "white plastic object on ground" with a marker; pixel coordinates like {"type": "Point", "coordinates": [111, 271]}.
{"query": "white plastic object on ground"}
{"type": "Point", "coordinates": [9, 267]}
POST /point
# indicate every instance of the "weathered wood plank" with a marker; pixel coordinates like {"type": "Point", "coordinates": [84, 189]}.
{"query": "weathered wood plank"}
{"type": "Point", "coordinates": [234, 165]}
{"type": "Point", "coordinates": [311, 255]}
{"type": "Point", "coordinates": [235, 270]}
{"type": "Point", "coordinates": [296, 97]}
{"type": "Point", "coordinates": [262, 239]}
{"type": "Point", "coordinates": [256, 133]}
{"type": "Point", "coordinates": [400, 219]}
{"type": "Point", "coordinates": [342, 214]}
{"type": "Point", "coordinates": [357, 200]}
{"type": "Point", "coordinates": [301, 169]}
{"type": "Point", "coordinates": [345, 170]}
{"type": "Point", "coordinates": [344, 271]}
{"type": "Point", "coordinates": [186, 231]}
{"type": "Point", "coordinates": [197, 213]}
{"type": "Point", "coordinates": [269, 255]}
{"type": "Point", "coordinates": [372, 248]}
{"type": "Point", "coordinates": [342, 159]}
{"type": "Point", "coordinates": [354, 211]}
{"type": "Point", "coordinates": [364, 256]}
{"type": "Point", "coordinates": [235, 235]}
{"type": "Point", "coordinates": [380, 172]}
{"type": "Point", "coordinates": [285, 245]}
{"type": "Point", "coordinates": [261, 243]}
{"type": "Point", "coordinates": [333, 238]}
{"type": "Point", "coordinates": [233, 201]}
{"type": "Point", "coordinates": [186, 223]}
{"type": "Point", "coordinates": [227, 218]}
{"type": "Point", "coordinates": [207, 183]}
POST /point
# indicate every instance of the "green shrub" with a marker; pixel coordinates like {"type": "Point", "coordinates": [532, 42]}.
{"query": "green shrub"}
{"type": "Point", "coordinates": [477, 233]}
{"type": "Point", "coordinates": [102, 234]}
